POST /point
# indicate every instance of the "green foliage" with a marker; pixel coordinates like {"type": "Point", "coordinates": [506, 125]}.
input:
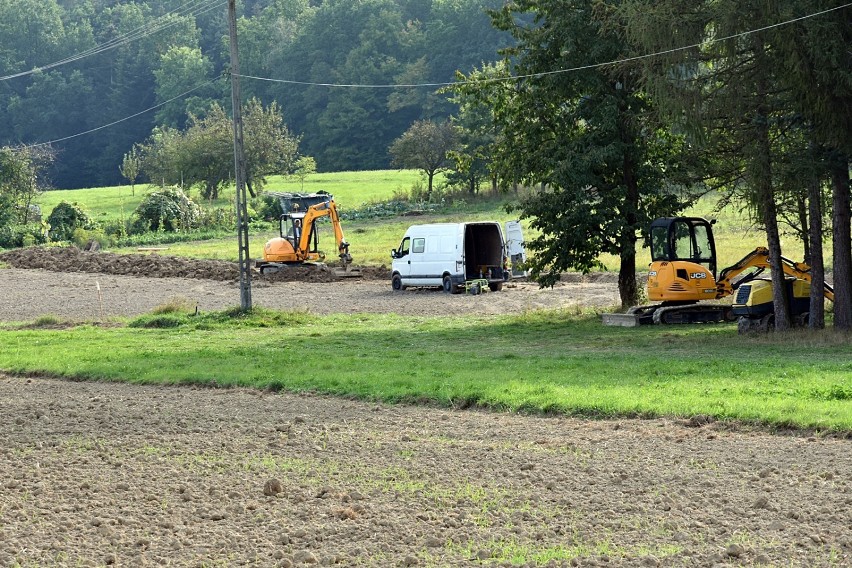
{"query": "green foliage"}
{"type": "Point", "coordinates": [82, 237]}
{"type": "Point", "coordinates": [168, 209]}
{"type": "Point", "coordinates": [304, 167]}
{"type": "Point", "coordinates": [67, 218]}
{"type": "Point", "coordinates": [587, 137]}
{"type": "Point", "coordinates": [202, 156]}
{"type": "Point", "coordinates": [131, 167]}
{"type": "Point", "coordinates": [370, 42]}
{"type": "Point", "coordinates": [23, 235]}
{"type": "Point", "coordinates": [21, 181]}
{"type": "Point", "coordinates": [181, 69]}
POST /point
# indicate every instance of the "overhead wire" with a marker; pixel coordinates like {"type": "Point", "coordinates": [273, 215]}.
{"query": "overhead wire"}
{"type": "Point", "coordinates": [167, 20]}
{"type": "Point", "coordinates": [128, 38]}
{"type": "Point", "coordinates": [557, 71]}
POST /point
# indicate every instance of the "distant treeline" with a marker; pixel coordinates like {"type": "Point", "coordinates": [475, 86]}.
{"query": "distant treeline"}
{"type": "Point", "coordinates": [68, 67]}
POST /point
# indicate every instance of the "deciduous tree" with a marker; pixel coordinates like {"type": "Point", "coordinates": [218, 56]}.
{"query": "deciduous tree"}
{"type": "Point", "coordinates": [425, 146]}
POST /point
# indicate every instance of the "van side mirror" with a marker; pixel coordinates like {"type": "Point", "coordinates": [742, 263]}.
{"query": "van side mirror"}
{"type": "Point", "coordinates": [393, 253]}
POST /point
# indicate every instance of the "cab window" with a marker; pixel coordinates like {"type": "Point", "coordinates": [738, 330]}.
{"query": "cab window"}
{"type": "Point", "coordinates": [418, 245]}
{"type": "Point", "coordinates": [403, 247]}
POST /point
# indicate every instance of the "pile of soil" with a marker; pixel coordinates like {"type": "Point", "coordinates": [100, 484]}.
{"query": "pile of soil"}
{"type": "Point", "coordinates": [154, 265]}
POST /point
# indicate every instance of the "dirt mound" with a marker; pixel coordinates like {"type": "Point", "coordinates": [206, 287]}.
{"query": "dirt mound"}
{"type": "Point", "coordinates": [72, 259]}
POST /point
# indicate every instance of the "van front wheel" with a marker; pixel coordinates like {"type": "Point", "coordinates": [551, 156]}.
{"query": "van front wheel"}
{"type": "Point", "coordinates": [396, 282]}
{"type": "Point", "coordinates": [447, 284]}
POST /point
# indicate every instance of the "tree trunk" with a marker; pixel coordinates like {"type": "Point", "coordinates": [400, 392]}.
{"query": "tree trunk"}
{"type": "Point", "coordinates": [431, 176]}
{"type": "Point", "coordinates": [802, 204]}
{"type": "Point", "coordinates": [762, 179]}
{"type": "Point", "coordinates": [815, 259]}
{"type": "Point", "coordinates": [627, 288]}
{"type": "Point", "coordinates": [842, 246]}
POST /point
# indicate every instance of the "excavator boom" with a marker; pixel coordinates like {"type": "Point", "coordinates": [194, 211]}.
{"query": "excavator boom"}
{"type": "Point", "coordinates": [759, 259]}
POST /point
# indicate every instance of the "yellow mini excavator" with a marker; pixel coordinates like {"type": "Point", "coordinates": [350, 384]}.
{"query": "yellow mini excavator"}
{"type": "Point", "coordinates": [298, 243]}
{"type": "Point", "coordinates": [682, 278]}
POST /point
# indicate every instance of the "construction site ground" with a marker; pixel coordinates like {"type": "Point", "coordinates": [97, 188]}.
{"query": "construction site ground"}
{"type": "Point", "coordinates": [110, 474]}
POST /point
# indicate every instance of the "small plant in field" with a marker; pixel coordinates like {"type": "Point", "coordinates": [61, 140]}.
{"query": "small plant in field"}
{"type": "Point", "coordinates": [47, 320]}
{"type": "Point", "coordinates": [175, 306]}
{"type": "Point", "coordinates": [159, 321]}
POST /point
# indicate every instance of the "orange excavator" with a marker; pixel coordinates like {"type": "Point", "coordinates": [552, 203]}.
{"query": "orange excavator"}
{"type": "Point", "coordinates": [682, 277]}
{"type": "Point", "coordinates": [298, 243]}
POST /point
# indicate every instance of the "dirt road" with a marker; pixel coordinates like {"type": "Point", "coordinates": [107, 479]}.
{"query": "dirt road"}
{"type": "Point", "coordinates": [74, 285]}
{"type": "Point", "coordinates": [101, 474]}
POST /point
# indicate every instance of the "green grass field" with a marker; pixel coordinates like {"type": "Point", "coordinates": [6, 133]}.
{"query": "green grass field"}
{"type": "Point", "coordinates": [372, 240]}
{"type": "Point", "coordinates": [537, 362]}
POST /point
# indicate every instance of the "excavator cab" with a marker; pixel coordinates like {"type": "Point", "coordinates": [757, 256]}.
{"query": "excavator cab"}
{"type": "Point", "coordinates": [688, 239]}
{"type": "Point", "coordinates": [291, 230]}
{"type": "Point", "coordinates": [683, 255]}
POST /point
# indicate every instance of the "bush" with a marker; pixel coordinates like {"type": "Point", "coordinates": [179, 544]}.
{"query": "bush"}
{"type": "Point", "coordinates": [218, 218]}
{"type": "Point", "coordinates": [16, 236]}
{"type": "Point", "coordinates": [166, 210]}
{"type": "Point", "coordinates": [115, 229]}
{"type": "Point", "coordinates": [82, 237]}
{"type": "Point", "coordinates": [269, 208]}
{"type": "Point", "coordinates": [65, 219]}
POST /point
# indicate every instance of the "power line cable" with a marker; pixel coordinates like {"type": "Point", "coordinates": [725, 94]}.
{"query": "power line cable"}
{"type": "Point", "coordinates": [416, 85]}
{"type": "Point", "coordinates": [194, 8]}
{"type": "Point", "coordinates": [126, 118]}
{"type": "Point", "coordinates": [556, 72]}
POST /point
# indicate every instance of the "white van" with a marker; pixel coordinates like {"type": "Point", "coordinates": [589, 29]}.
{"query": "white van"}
{"type": "Point", "coordinates": [449, 255]}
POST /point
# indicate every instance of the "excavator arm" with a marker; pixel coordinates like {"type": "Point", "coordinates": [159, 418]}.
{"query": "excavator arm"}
{"type": "Point", "coordinates": [759, 260]}
{"type": "Point", "coordinates": [314, 212]}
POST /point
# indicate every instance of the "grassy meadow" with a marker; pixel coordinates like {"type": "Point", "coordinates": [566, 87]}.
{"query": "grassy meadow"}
{"type": "Point", "coordinates": [537, 362]}
{"type": "Point", "coordinates": [550, 362]}
{"type": "Point", "coordinates": [372, 239]}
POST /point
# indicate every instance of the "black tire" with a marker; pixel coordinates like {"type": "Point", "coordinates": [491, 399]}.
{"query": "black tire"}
{"type": "Point", "coordinates": [475, 290]}
{"type": "Point", "coordinates": [396, 282]}
{"type": "Point", "coordinates": [447, 284]}
{"type": "Point", "coordinates": [495, 286]}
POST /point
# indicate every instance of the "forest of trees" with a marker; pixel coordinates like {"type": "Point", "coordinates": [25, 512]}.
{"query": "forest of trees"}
{"type": "Point", "coordinates": [72, 66]}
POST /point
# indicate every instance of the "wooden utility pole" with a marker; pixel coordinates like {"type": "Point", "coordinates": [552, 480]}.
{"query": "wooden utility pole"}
{"type": "Point", "coordinates": [239, 164]}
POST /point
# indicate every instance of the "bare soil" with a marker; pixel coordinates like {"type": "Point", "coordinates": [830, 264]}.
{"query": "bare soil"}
{"type": "Point", "coordinates": [100, 474]}
{"type": "Point", "coordinates": [76, 285]}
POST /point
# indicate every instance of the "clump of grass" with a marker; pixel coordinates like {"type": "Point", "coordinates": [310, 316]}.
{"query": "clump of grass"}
{"type": "Point", "coordinates": [47, 320]}
{"type": "Point", "coordinates": [159, 321]}
{"type": "Point", "coordinates": [176, 305]}
{"type": "Point", "coordinates": [178, 313]}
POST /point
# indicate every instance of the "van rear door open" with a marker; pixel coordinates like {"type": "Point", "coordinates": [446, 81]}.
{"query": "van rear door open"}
{"type": "Point", "coordinates": [515, 248]}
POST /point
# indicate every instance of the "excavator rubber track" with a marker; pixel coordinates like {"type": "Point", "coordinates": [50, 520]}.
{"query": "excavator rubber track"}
{"type": "Point", "coordinates": [657, 314]}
